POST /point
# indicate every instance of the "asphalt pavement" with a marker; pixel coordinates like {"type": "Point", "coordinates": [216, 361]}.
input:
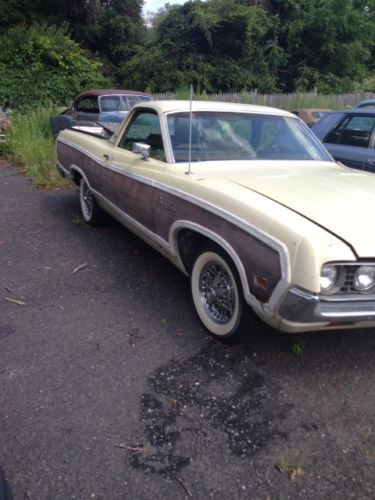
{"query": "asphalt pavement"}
{"type": "Point", "coordinates": [110, 388]}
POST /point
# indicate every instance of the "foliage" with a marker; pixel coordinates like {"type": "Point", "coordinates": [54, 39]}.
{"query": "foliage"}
{"type": "Point", "coordinates": [230, 45]}
{"type": "Point", "coordinates": [31, 143]}
{"type": "Point", "coordinates": [110, 29]}
{"type": "Point", "coordinates": [327, 44]}
{"type": "Point", "coordinates": [218, 45]}
{"type": "Point", "coordinates": [41, 64]}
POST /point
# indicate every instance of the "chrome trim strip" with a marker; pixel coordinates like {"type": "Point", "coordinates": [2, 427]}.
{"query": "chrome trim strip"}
{"type": "Point", "coordinates": [183, 224]}
{"type": "Point", "coordinates": [281, 288]}
{"type": "Point", "coordinates": [80, 149]}
{"type": "Point", "coordinates": [64, 170]}
{"type": "Point", "coordinates": [150, 237]}
{"type": "Point", "coordinates": [129, 220]}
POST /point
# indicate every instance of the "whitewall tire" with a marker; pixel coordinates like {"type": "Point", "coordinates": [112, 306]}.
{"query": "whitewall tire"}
{"type": "Point", "coordinates": [92, 213]}
{"type": "Point", "coordinates": [217, 294]}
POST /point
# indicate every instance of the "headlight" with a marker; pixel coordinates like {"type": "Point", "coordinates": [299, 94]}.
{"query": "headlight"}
{"type": "Point", "coordinates": [328, 278]}
{"type": "Point", "coordinates": [364, 278]}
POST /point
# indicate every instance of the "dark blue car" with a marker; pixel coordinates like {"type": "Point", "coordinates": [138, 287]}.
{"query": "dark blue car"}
{"type": "Point", "coordinates": [349, 135]}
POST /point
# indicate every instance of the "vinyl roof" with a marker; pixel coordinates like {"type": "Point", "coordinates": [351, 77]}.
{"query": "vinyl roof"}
{"type": "Point", "coordinates": [101, 92]}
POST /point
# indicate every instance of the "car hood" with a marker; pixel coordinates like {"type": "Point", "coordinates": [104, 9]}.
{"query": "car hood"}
{"type": "Point", "coordinates": [340, 199]}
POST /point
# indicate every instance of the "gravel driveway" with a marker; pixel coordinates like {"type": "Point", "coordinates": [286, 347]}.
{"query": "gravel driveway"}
{"type": "Point", "coordinates": [110, 388]}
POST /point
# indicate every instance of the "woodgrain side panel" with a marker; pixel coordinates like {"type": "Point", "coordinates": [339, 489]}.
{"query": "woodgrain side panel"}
{"type": "Point", "coordinates": [257, 257]}
{"type": "Point", "coordinates": [156, 210]}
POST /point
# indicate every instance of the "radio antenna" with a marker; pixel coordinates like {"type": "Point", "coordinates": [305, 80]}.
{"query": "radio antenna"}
{"type": "Point", "coordinates": [190, 126]}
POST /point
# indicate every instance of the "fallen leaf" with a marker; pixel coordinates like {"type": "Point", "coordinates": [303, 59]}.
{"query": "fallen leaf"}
{"type": "Point", "coordinates": [296, 473]}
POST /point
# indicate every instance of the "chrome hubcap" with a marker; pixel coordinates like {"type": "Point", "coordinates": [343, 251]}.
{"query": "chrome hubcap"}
{"type": "Point", "coordinates": [217, 293]}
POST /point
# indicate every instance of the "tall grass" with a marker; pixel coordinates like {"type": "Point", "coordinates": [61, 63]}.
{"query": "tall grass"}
{"type": "Point", "coordinates": [31, 143]}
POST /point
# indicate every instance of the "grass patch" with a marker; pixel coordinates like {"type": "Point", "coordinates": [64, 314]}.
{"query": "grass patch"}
{"type": "Point", "coordinates": [31, 143]}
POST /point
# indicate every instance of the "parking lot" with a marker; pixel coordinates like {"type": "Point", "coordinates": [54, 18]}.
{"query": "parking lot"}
{"type": "Point", "coordinates": [111, 389]}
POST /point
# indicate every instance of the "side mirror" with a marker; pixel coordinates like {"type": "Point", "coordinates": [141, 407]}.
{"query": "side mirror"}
{"type": "Point", "coordinates": [143, 149]}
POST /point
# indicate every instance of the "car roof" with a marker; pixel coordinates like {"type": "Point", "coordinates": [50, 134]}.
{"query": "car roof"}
{"type": "Point", "coordinates": [355, 111]}
{"type": "Point", "coordinates": [101, 92]}
{"type": "Point", "coordinates": [184, 106]}
{"type": "Point", "coordinates": [365, 102]}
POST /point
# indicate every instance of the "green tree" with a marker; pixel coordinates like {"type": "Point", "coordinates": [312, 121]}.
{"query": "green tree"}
{"type": "Point", "coordinates": [110, 29]}
{"type": "Point", "coordinates": [41, 64]}
{"type": "Point", "coordinates": [219, 45]}
{"type": "Point", "coordinates": [327, 44]}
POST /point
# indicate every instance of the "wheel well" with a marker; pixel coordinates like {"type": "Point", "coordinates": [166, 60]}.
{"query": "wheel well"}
{"type": "Point", "coordinates": [189, 243]}
{"type": "Point", "coordinates": [76, 177]}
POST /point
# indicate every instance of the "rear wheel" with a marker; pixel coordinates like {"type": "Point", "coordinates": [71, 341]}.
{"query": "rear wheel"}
{"type": "Point", "coordinates": [92, 213]}
{"type": "Point", "coordinates": [217, 294]}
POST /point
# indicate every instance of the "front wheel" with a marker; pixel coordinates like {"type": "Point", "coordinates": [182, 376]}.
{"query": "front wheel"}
{"type": "Point", "coordinates": [217, 294]}
{"type": "Point", "coordinates": [92, 213]}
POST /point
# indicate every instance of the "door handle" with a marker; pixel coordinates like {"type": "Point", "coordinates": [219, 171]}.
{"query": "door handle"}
{"type": "Point", "coordinates": [108, 157]}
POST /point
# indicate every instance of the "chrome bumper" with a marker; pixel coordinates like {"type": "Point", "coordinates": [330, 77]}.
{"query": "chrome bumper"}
{"type": "Point", "coordinates": [304, 307]}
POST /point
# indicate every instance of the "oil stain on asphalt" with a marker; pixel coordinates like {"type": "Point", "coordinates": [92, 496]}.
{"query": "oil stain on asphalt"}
{"type": "Point", "coordinates": [190, 402]}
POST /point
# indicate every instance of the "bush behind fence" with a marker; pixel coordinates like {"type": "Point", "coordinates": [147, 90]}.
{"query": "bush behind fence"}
{"type": "Point", "coordinates": [284, 101]}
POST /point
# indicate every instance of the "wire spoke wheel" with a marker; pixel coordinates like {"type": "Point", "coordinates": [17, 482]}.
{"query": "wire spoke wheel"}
{"type": "Point", "coordinates": [217, 294]}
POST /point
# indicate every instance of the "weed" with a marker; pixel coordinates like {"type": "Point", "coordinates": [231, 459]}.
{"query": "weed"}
{"type": "Point", "coordinates": [297, 348]}
{"type": "Point", "coordinates": [290, 464]}
{"type": "Point", "coordinates": [78, 220]}
{"type": "Point", "coordinates": [299, 343]}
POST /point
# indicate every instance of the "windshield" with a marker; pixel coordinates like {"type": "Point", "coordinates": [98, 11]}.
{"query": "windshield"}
{"type": "Point", "coordinates": [242, 136]}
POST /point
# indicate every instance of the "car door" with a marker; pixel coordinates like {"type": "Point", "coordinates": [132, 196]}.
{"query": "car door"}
{"type": "Point", "coordinates": [370, 163]}
{"type": "Point", "coordinates": [131, 183]}
{"type": "Point", "coordinates": [349, 141]}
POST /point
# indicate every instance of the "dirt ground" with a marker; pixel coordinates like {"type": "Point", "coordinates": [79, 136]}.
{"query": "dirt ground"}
{"type": "Point", "coordinates": [111, 389]}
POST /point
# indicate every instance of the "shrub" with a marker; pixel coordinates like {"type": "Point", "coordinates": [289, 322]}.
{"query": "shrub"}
{"type": "Point", "coordinates": [40, 64]}
{"type": "Point", "coordinates": [32, 144]}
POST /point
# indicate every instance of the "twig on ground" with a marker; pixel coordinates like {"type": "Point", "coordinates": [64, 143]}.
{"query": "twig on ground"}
{"type": "Point", "coordinates": [79, 268]}
{"type": "Point", "coordinates": [19, 302]}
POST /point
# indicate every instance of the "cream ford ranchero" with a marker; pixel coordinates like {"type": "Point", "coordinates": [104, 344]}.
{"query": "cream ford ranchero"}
{"type": "Point", "coordinates": [246, 201]}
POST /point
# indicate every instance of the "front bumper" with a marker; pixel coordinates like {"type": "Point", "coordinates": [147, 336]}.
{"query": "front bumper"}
{"type": "Point", "coordinates": [304, 307]}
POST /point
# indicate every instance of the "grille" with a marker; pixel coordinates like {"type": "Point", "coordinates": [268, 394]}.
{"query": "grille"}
{"type": "Point", "coordinates": [348, 273]}
{"type": "Point", "coordinates": [346, 280]}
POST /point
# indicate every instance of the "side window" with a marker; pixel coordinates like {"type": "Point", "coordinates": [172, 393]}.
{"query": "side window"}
{"type": "Point", "coordinates": [144, 128]}
{"type": "Point", "coordinates": [354, 130]}
{"type": "Point", "coordinates": [88, 104]}
{"type": "Point", "coordinates": [110, 103]}
{"type": "Point", "coordinates": [133, 100]}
